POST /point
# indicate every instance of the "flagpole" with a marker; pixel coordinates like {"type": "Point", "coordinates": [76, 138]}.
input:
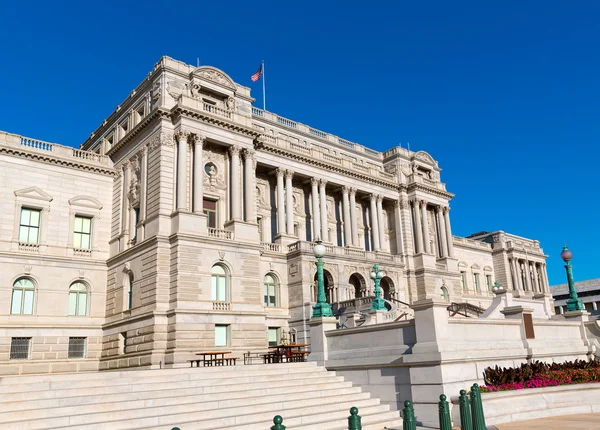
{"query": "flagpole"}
{"type": "Point", "coordinates": [264, 92]}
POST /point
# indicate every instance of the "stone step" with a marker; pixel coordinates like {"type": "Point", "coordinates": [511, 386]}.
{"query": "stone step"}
{"type": "Point", "coordinates": [209, 373]}
{"type": "Point", "coordinates": [173, 396]}
{"type": "Point", "coordinates": [181, 404]}
{"type": "Point", "coordinates": [141, 373]}
{"type": "Point", "coordinates": [323, 417]}
{"type": "Point", "coordinates": [209, 386]}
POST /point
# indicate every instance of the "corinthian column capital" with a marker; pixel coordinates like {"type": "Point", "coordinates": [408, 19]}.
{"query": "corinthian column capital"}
{"type": "Point", "coordinates": [279, 172]}
{"type": "Point", "coordinates": [314, 182]}
{"type": "Point", "coordinates": [345, 189]}
{"type": "Point", "coordinates": [181, 135]}
{"type": "Point", "coordinates": [289, 174]}
{"type": "Point", "coordinates": [234, 150]}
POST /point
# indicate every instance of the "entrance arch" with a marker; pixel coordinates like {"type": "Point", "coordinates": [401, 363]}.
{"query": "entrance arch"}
{"type": "Point", "coordinates": [358, 284]}
{"type": "Point", "coordinates": [387, 287]}
{"type": "Point", "coordinates": [329, 284]}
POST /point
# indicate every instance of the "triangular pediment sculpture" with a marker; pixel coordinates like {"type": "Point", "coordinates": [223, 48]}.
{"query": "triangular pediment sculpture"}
{"type": "Point", "coordinates": [34, 193]}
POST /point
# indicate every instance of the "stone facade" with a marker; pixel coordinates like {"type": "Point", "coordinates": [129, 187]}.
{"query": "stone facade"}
{"type": "Point", "coordinates": [203, 211]}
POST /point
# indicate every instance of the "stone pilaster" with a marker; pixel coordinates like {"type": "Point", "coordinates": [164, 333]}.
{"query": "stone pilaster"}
{"type": "Point", "coordinates": [249, 175]}
{"type": "Point", "coordinates": [380, 224]}
{"type": "Point", "coordinates": [449, 233]}
{"type": "Point", "coordinates": [316, 217]}
{"type": "Point", "coordinates": [182, 145]}
{"type": "Point", "coordinates": [198, 194]}
{"type": "Point", "coordinates": [374, 222]}
{"type": "Point", "coordinates": [289, 200]}
{"type": "Point", "coordinates": [236, 198]}
{"type": "Point", "coordinates": [346, 212]}
{"type": "Point", "coordinates": [324, 222]}
{"type": "Point", "coordinates": [418, 227]}
{"type": "Point", "coordinates": [442, 226]}
{"type": "Point", "coordinates": [425, 220]}
{"type": "Point", "coordinates": [280, 201]}
{"type": "Point", "coordinates": [353, 217]}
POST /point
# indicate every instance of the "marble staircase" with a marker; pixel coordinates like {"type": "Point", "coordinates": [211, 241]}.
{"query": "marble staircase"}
{"type": "Point", "coordinates": [237, 397]}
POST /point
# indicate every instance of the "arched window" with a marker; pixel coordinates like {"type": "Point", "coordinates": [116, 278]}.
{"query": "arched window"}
{"type": "Point", "coordinates": [22, 297]}
{"type": "Point", "coordinates": [270, 285]}
{"type": "Point", "coordinates": [218, 283]}
{"type": "Point", "coordinates": [444, 294]}
{"type": "Point", "coordinates": [130, 292]}
{"type": "Point", "coordinates": [78, 299]}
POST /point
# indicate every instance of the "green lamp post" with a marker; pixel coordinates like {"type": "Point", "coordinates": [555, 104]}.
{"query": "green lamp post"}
{"type": "Point", "coordinates": [321, 308]}
{"type": "Point", "coordinates": [573, 304]}
{"type": "Point", "coordinates": [378, 302]}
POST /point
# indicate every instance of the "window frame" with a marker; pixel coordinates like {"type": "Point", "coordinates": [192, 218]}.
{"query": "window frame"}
{"type": "Point", "coordinates": [13, 353]}
{"type": "Point", "coordinates": [277, 335]}
{"type": "Point", "coordinates": [266, 295]}
{"type": "Point", "coordinates": [30, 226]}
{"type": "Point", "coordinates": [476, 286]}
{"type": "Point", "coordinates": [71, 349]}
{"type": "Point", "coordinates": [78, 294]}
{"type": "Point", "coordinates": [463, 280]}
{"type": "Point", "coordinates": [214, 287]}
{"type": "Point", "coordinates": [227, 330]}
{"type": "Point", "coordinates": [22, 298]}
{"type": "Point", "coordinates": [207, 212]}
{"type": "Point", "coordinates": [89, 234]}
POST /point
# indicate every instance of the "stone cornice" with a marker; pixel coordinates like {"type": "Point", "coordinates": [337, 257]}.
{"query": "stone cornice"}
{"type": "Point", "coordinates": [266, 147]}
{"type": "Point", "coordinates": [155, 114]}
{"type": "Point", "coordinates": [431, 190]}
{"type": "Point", "coordinates": [213, 120]}
{"type": "Point", "coordinates": [47, 157]}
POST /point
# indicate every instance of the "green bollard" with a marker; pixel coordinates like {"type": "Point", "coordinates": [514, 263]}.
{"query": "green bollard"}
{"type": "Point", "coordinates": [465, 411]}
{"type": "Point", "coordinates": [444, 408]}
{"type": "Point", "coordinates": [354, 419]}
{"type": "Point", "coordinates": [477, 409]}
{"type": "Point", "coordinates": [277, 423]}
{"type": "Point", "coordinates": [408, 416]}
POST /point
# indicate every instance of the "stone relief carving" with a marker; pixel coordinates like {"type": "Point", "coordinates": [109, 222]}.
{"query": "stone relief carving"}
{"type": "Point", "coordinates": [297, 197]}
{"type": "Point", "coordinates": [422, 155]}
{"type": "Point", "coordinates": [262, 193]}
{"type": "Point", "coordinates": [156, 91]}
{"type": "Point", "coordinates": [215, 76]}
{"type": "Point", "coordinates": [213, 172]}
{"type": "Point", "coordinates": [175, 88]}
{"type": "Point", "coordinates": [330, 205]}
{"type": "Point", "coordinates": [431, 226]}
{"type": "Point", "coordinates": [160, 139]}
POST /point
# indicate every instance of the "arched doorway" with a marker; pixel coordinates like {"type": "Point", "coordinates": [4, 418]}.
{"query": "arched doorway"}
{"type": "Point", "coordinates": [329, 290]}
{"type": "Point", "coordinates": [387, 287]}
{"type": "Point", "coordinates": [358, 284]}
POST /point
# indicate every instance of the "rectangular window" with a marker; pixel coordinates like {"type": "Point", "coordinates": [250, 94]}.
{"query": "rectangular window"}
{"type": "Point", "coordinates": [270, 298]}
{"type": "Point", "coordinates": [141, 112]}
{"type": "Point", "coordinates": [221, 335]}
{"type": "Point", "coordinates": [273, 336]}
{"type": "Point", "coordinates": [82, 233]}
{"type": "Point", "coordinates": [218, 288]}
{"type": "Point", "coordinates": [476, 281]}
{"type": "Point", "coordinates": [76, 347]}
{"type": "Point", "coordinates": [19, 348]}
{"type": "Point", "coordinates": [210, 209]}
{"type": "Point", "coordinates": [124, 127]}
{"type": "Point", "coordinates": [463, 280]}
{"type": "Point", "coordinates": [29, 226]}
{"type": "Point", "coordinates": [488, 282]}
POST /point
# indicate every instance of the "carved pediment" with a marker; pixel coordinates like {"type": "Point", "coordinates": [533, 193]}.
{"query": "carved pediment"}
{"type": "Point", "coordinates": [424, 156]}
{"type": "Point", "coordinates": [214, 75]}
{"type": "Point", "coordinates": [86, 202]}
{"type": "Point", "coordinates": [34, 193]}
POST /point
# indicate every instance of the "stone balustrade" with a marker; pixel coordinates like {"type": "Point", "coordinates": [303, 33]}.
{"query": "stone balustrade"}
{"type": "Point", "coordinates": [64, 152]}
{"type": "Point", "coordinates": [471, 242]}
{"type": "Point", "coordinates": [221, 306]}
{"type": "Point", "coordinates": [220, 233]}
{"type": "Point", "coordinates": [329, 138]}
{"type": "Point", "coordinates": [273, 247]}
{"type": "Point", "coordinates": [333, 251]}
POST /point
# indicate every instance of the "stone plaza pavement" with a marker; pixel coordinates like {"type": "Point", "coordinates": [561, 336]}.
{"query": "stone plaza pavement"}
{"type": "Point", "coordinates": [584, 421]}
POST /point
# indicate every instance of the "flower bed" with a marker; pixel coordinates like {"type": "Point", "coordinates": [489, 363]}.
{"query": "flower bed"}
{"type": "Point", "coordinates": [539, 375]}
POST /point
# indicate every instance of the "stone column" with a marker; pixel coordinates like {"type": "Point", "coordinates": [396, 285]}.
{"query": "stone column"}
{"type": "Point", "coordinates": [198, 205]}
{"type": "Point", "coordinates": [125, 199]}
{"type": "Point", "coordinates": [324, 222]}
{"type": "Point", "coordinates": [316, 217]}
{"type": "Point", "coordinates": [280, 202]}
{"type": "Point", "coordinates": [346, 211]}
{"type": "Point", "coordinates": [449, 233]}
{"type": "Point", "coordinates": [182, 144]}
{"type": "Point", "coordinates": [236, 197]}
{"type": "Point", "coordinates": [527, 276]}
{"type": "Point", "coordinates": [353, 217]}
{"type": "Point", "coordinates": [426, 238]}
{"type": "Point", "coordinates": [418, 226]}
{"type": "Point", "coordinates": [374, 223]}
{"type": "Point", "coordinates": [380, 224]}
{"type": "Point", "coordinates": [537, 287]}
{"type": "Point", "coordinates": [515, 274]}
{"type": "Point", "coordinates": [442, 226]}
{"type": "Point", "coordinates": [289, 200]}
{"type": "Point", "coordinates": [249, 174]}
{"type": "Point", "coordinates": [545, 282]}
{"type": "Point", "coordinates": [398, 227]}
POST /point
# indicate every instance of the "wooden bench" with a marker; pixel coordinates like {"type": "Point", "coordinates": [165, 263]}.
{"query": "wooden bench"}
{"type": "Point", "coordinates": [226, 361]}
{"type": "Point", "coordinates": [298, 356]}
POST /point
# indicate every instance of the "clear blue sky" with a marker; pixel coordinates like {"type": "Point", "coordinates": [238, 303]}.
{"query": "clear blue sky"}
{"type": "Point", "coordinates": [505, 96]}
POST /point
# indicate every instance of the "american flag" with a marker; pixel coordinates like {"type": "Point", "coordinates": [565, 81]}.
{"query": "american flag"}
{"type": "Point", "coordinates": [255, 77]}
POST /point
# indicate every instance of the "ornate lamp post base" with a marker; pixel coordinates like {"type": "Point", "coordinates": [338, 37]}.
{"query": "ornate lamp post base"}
{"type": "Point", "coordinates": [322, 310]}
{"type": "Point", "coordinates": [575, 305]}
{"type": "Point", "coordinates": [378, 302]}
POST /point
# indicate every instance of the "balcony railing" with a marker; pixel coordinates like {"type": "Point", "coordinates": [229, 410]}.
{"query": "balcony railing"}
{"type": "Point", "coordinates": [82, 252]}
{"type": "Point", "coordinates": [273, 247]}
{"type": "Point", "coordinates": [29, 247]}
{"type": "Point", "coordinates": [216, 110]}
{"type": "Point", "coordinates": [332, 250]}
{"type": "Point", "coordinates": [220, 233]}
{"type": "Point", "coordinates": [221, 306]}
